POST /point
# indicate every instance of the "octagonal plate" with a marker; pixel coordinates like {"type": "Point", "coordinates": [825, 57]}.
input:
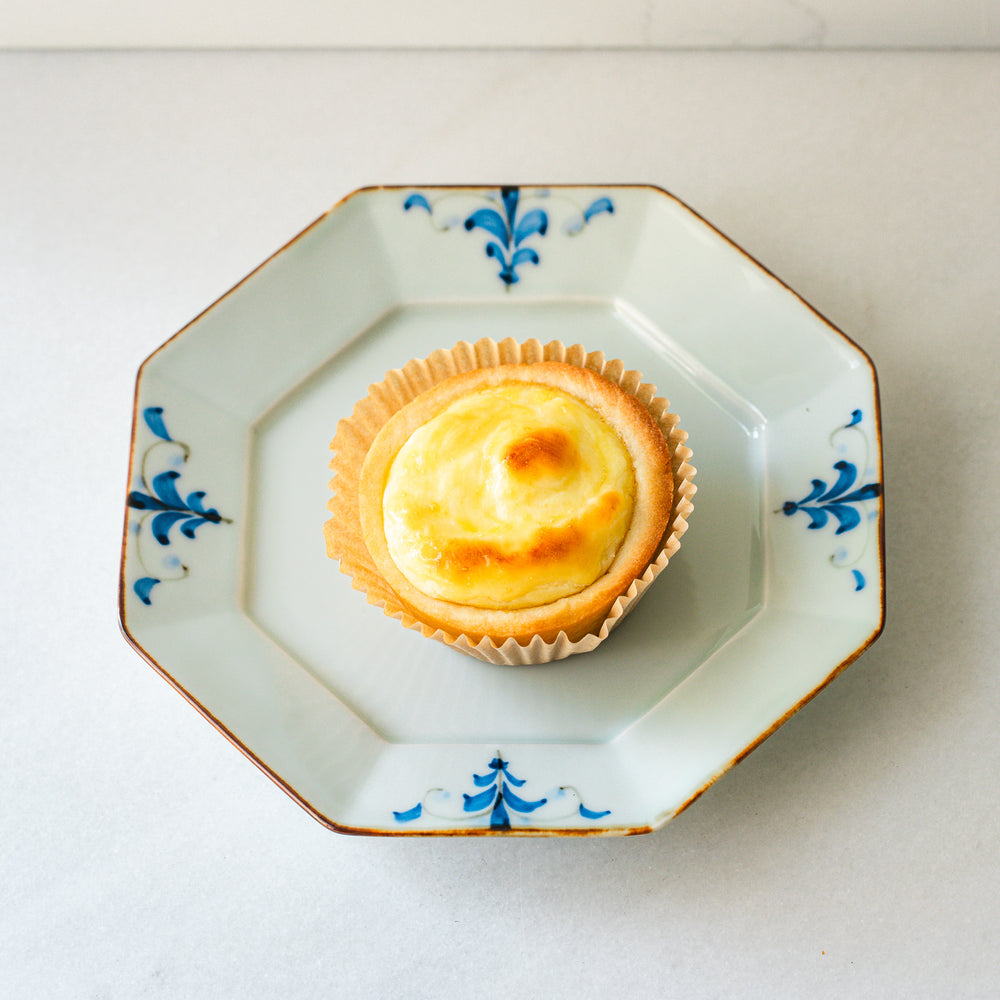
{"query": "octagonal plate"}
{"type": "Point", "coordinates": [227, 591]}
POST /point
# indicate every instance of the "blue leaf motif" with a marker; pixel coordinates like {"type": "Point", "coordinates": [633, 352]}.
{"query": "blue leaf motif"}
{"type": "Point", "coordinates": [189, 526]}
{"type": "Point", "coordinates": [493, 249]}
{"type": "Point", "coordinates": [164, 487]}
{"type": "Point", "coordinates": [859, 579]}
{"type": "Point", "coordinates": [506, 272]}
{"type": "Point", "coordinates": [142, 588]}
{"type": "Point", "coordinates": [592, 814]}
{"type": "Point", "coordinates": [510, 197]}
{"type": "Point", "coordinates": [817, 516]}
{"type": "Point", "coordinates": [818, 487]}
{"type": "Point", "coordinates": [522, 805]}
{"type": "Point", "coordinates": [162, 524]}
{"type": "Point", "coordinates": [597, 206]}
{"type": "Point", "coordinates": [524, 254]}
{"type": "Point", "coordinates": [153, 415]}
{"type": "Point", "coordinates": [848, 474]}
{"type": "Point", "coordinates": [417, 200]}
{"type": "Point", "coordinates": [847, 516]}
{"type": "Point", "coordinates": [194, 502]}
{"type": "Point", "coordinates": [490, 220]}
{"type": "Point", "coordinates": [868, 492]}
{"type": "Point", "coordinates": [406, 815]}
{"type": "Point", "coordinates": [143, 501]}
{"type": "Point", "coordinates": [482, 780]}
{"type": "Point", "coordinates": [535, 221]}
{"type": "Point", "coordinates": [474, 803]}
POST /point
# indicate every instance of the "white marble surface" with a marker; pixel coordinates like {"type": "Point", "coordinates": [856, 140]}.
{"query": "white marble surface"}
{"type": "Point", "coordinates": [854, 854]}
{"type": "Point", "coordinates": [738, 24]}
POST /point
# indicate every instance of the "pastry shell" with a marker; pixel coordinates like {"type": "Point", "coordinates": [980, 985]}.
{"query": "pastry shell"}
{"type": "Point", "coordinates": [366, 443]}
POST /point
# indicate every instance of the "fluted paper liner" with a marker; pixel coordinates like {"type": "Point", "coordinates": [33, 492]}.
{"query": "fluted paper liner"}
{"type": "Point", "coordinates": [355, 434]}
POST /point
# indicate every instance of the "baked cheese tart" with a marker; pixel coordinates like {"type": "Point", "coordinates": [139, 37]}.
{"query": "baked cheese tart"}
{"type": "Point", "coordinates": [516, 501]}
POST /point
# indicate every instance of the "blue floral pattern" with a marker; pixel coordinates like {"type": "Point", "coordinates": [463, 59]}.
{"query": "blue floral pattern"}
{"type": "Point", "coordinates": [499, 801]}
{"type": "Point", "coordinates": [842, 502]}
{"type": "Point", "coordinates": [510, 227]}
{"type": "Point", "coordinates": [165, 508]}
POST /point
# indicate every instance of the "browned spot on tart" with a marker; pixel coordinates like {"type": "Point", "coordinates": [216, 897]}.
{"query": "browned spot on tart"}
{"type": "Point", "coordinates": [545, 451]}
{"type": "Point", "coordinates": [548, 544]}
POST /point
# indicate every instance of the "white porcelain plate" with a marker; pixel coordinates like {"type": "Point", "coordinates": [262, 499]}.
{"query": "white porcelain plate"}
{"type": "Point", "coordinates": [226, 588]}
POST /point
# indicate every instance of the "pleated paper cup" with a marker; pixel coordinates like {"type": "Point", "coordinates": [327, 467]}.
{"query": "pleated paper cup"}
{"type": "Point", "coordinates": [355, 434]}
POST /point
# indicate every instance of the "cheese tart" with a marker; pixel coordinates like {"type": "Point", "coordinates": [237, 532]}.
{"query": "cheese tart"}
{"type": "Point", "coordinates": [516, 501]}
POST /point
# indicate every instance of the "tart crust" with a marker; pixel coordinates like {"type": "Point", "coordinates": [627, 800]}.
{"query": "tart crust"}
{"type": "Point", "coordinates": [575, 615]}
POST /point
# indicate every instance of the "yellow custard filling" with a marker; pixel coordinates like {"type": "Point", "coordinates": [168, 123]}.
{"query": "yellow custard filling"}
{"type": "Point", "coordinates": [511, 497]}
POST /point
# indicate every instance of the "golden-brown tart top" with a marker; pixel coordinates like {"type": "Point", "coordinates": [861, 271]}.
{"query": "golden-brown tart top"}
{"type": "Point", "coordinates": [512, 496]}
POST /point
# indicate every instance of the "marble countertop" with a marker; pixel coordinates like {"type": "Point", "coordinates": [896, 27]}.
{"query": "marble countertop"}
{"type": "Point", "coordinates": [855, 853]}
